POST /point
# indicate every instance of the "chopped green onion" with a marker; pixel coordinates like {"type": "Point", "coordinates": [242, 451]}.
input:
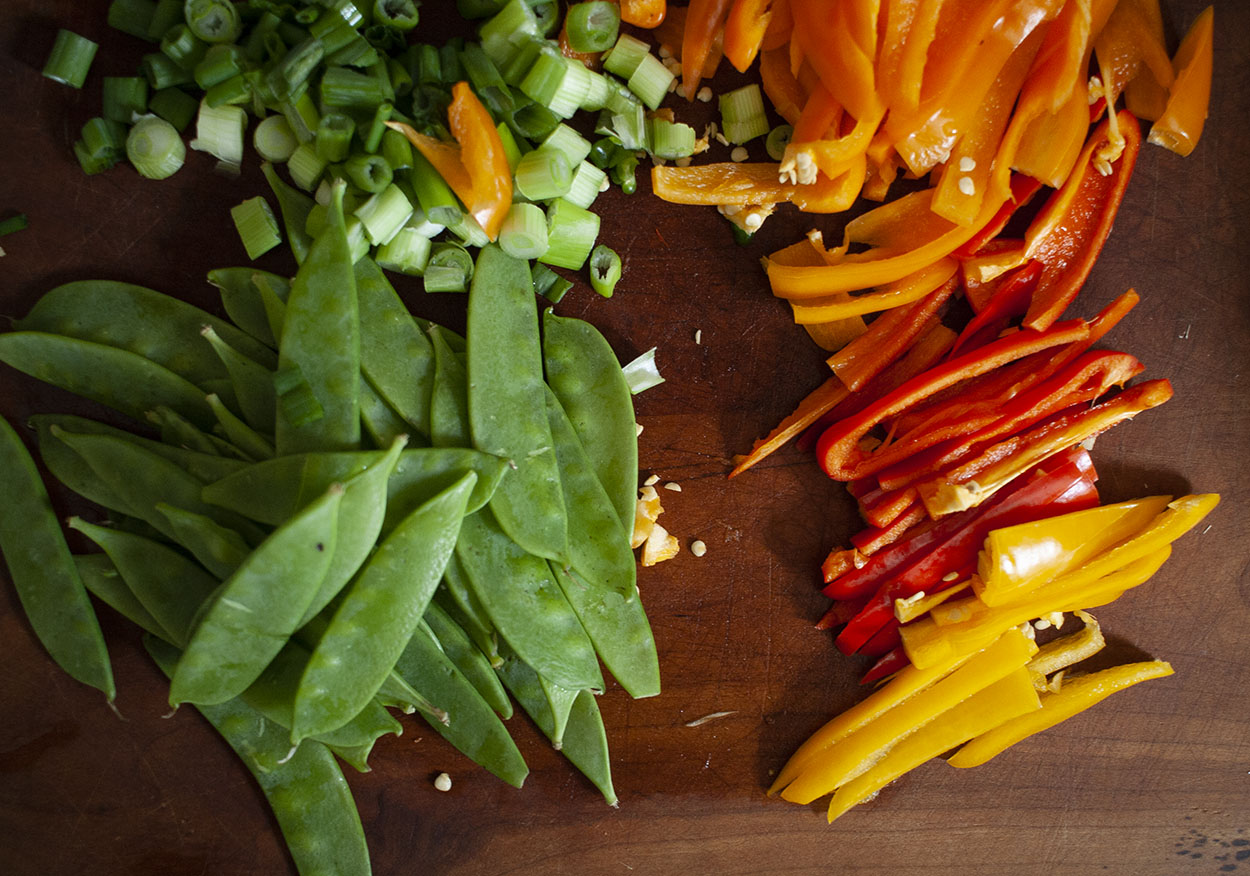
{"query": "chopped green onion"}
{"type": "Point", "coordinates": [357, 241]}
{"type": "Point", "coordinates": [399, 14]}
{"type": "Point", "coordinates": [13, 224]}
{"type": "Point", "coordinates": [373, 137]}
{"type": "Point", "coordinates": [642, 373]}
{"type": "Point", "coordinates": [125, 97]}
{"type": "Point", "coordinates": [472, 9]}
{"type": "Point", "coordinates": [543, 174]}
{"type": "Point", "coordinates": [449, 270]}
{"type": "Point", "coordinates": [433, 194]}
{"type": "Point", "coordinates": [273, 139]}
{"type": "Point", "coordinates": [511, 148]}
{"type": "Point", "coordinates": [651, 81]}
{"type": "Point", "coordinates": [257, 226]}
{"type": "Point", "coordinates": [623, 58]}
{"type": "Point", "coordinates": [571, 233]}
{"type": "Point", "coordinates": [334, 136]}
{"type": "Point", "coordinates": [236, 91]}
{"type": "Point", "coordinates": [165, 15]}
{"type": "Point", "coordinates": [220, 63]}
{"type": "Point", "coordinates": [400, 77]}
{"type": "Point", "coordinates": [174, 106]}
{"type": "Point", "coordinates": [670, 139]}
{"type": "Point", "coordinates": [629, 127]}
{"type": "Point", "coordinates": [214, 21]}
{"type": "Point", "coordinates": [449, 63]}
{"type": "Point", "coordinates": [305, 166]}
{"type": "Point", "coordinates": [588, 182]}
{"type": "Point", "coordinates": [507, 30]}
{"type": "Point", "coordinates": [408, 252]}
{"type": "Point", "coordinates": [369, 173]}
{"type": "Point", "coordinates": [777, 141]}
{"type": "Point", "coordinates": [396, 150]}
{"type": "Point", "coordinates": [742, 114]}
{"type": "Point", "coordinates": [469, 231]}
{"type": "Point", "coordinates": [302, 115]}
{"type": "Point", "coordinates": [219, 132]}
{"type": "Point", "coordinates": [564, 139]}
{"type": "Point", "coordinates": [620, 99]}
{"type": "Point", "coordinates": [523, 234]}
{"type": "Point", "coordinates": [605, 270]}
{"type": "Point", "coordinates": [426, 67]}
{"type": "Point", "coordinates": [481, 70]}
{"type": "Point", "coordinates": [154, 147]}
{"type": "Point", "coordinates": [533, 121]}
{"type": "Point", "coordinates": [522, 61]}
{"type": "Point", "coordinates": [623, 173]}
{"type": "Point", "coordinates": [163, 73]}
{"type": "Point", "coordinates": [546, 12]}
{"type": "Point", "coordinates": [298, 403]}
{"type": "Point", "coordinates": [70, 59]}
{"type": "Point", "coordinates": [592, 27]}
{"type": "Point", "coordinates": [183, 47]}
{"type": "Point", "coordinates": [104, 139]}
{"type": "Point", "coordinates": [135, 18]}
{"type": "Point", "coordinates": [597, 95]}
{"type": "Point", "coordinates": [90, 164]}
{"type": "Point", "coordinates": [384, 214]}
{"type": "Point", "coordinates": [343, 87]}
{"type": "Point", "coordinates": [288, 78]}
{"type": "Point", "coordinates": [558, 83]}
{"type": "Point", "coordinates": [548, 283]}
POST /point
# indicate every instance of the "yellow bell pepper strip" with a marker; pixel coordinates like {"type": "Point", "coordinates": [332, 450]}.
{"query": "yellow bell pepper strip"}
{"type": "Point", "coordinates": [744, 31]}
{"type": "Point", "coordinates": [898, 225]}
{"type": "Point", "coordinates": [839, 39]}
{"type": "Point", "coordinates": [1180, 126]}
{"type": "Point", "coordinates": [903, 95]}
{"type": "Point", "coordinates": [784, 91]}
{"type": "Point", "coordinates": [1067, 650]}
{"type": "Point", "coordinates": [1003, 701]}
{"type": "Point", "coordinates": [644, 13]}
{"type": "Point", "coordinates": [877, 267]}
{"type": "Point", "coordinates": [484, 159]}
{"type": "Point", "coordinates": [838, 450]}
{"type": "Point", "coordinates": [704, 20]}
{"type": "Point", "coordinates": [1069, 232]}
{"type": "Point", "coordinates": [905, 291]}
{"type": "Point", "coordinates": [907, 610]}
{"type": "Point", "coordinates": [1016, 559]}
{"type": "Point", "coordinates": [856, 752]}
{"type": "Point", "coordinates": [816, 144]}
{"type": "Point", "coordinates": [970, 624]}
{"type": "Point", "coordinates": [1076, 695]}
{"type": "Point", "coordinates": [835, 334]}
{"type": "Point", "coordinates": [978, 479]}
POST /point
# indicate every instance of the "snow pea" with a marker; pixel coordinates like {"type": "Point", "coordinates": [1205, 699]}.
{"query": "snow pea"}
{"type": "Point", "coordinates": [116, 378]}
{"type": "Point", "coordinates": [177, 431]}
{"type": "Point", "coordinates": [586, 377]}
{"type": "Point", "coordinates": [395, 354]}
{"type": "Point", "coordinates": [321, 338]}
{"type": "Point", "coordinates": [255, 611]}
{"type": "Point", "coordinates": [455, 596]}
{"type": "Point", "coordinates": [169, 586]}
{"type": "Point", "coordinates": [274, 291]}
{"type": "Point", "coordinates": [43, 571]}
{"type": "Point", "coordinates": [598, 545]}
{"type": "Point", "coordinates": [449, 403]}
{"type": "Point", "coordinates": [241, 299]}
{"type": "Point", "coordinates": [251, 383]}
{"type": "Point", "coordinates": [379, 419]}
{"type": "Point", "coordinates": [145, 322]}
{"type": "Point", "coordinates": [378, 614]}
{"type": "Point", "coordinates": [585, 741]}
{"type": "Point", "coordinates": [506, 403]}
{"type": "Point", "coordinates": [524, 603]}
{"type": "Point", "coordinates": [218, 548]}
{"type": "Point", "coordinates": [305, 789]}
{"type": "Point", "coordinates": [468, 658]}
{"type": "Point", "coordinates": [424, 472]}
{"type": "Point", "coordinates": [294, 206]}
{"type": "Point", "coordinates": [473, 727]}
{"type": "Point", "coordinates": [102, 580]}
{"type": "Point", "coordinates": [245, 439]}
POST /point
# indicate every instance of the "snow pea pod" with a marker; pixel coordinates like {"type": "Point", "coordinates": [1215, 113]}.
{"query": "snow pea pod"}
{"type": "Point", "coordinates": [148, 323]}
{"type": "Point", "coordinates": [379, 419]}
{"type": "Point", "coordinates": [449, 402]}
{"type": "Point", "coordinates": [468, 658]}
{"type": "Point", "coordinates": [219, 549]}
{"type": "Point", "coordinates": [321, 340]}
{"type": "Point", "coordinates": [43, 571]}
{"type": "Point", "coordinates": [294, 206]}
{"type": "Point", "coordinates": [242, 302]}
{"type": "Point", "coordinates": [598, 545]}
{"type": "Point", "coordinates": [507, 412]}
{"type": "Point", "coordinates": [455, 596]}
{"type": "Point", "coordinates": [256, 610]}
{"type": "Point", "coordinates": [245, 439]}
{"type": "Point", "coordinates": [378, 614]}
{"type": "Point", "coordinates": [116, 378]}
{"type": "Point", "coordinates": [424, 472]}
{"type": "Point", "coordinates": [305, 789]}
{"type": "Point", "coordinates": [586, 377]}
{"type": "Point", "coordinates": [473, 727]}
{"type": "Point", "coordinates": [102, 580]}
{"type": "Point", "coordinates": [177, 431]}
{"type": "Point", "coordinates": [395, 354]}
{"type": "Point", "coordinates": [585, 741]}
{"type": "Point", "coordinates": [251, 383]}
{"type": "Point", "coordinates": [524, 603]}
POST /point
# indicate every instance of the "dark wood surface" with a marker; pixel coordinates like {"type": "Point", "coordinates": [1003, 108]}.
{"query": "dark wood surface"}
{"type": "Point", "coordinates": [1155, 781]}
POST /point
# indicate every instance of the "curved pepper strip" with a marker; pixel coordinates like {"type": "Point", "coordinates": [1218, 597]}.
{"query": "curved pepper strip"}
{"type": "Point", "coordinates": [899, 23]}
{"type": "Point", "coordinates": [1022, 188]}
{"type": "Point", "coordinates": [1180, 126]}
{"type": "Point", "coordinates": [484, 159]}
{"type": "Point", "coordinates": [1011, 699]}
{"type": "Point", "coordinates": [999, 464]}
{"type": "Point", "coordinates": [1131, 44]}
{"type": "Point", "coordinates": [1067, 235]}
{"type": "Point", "coordinates": [744, 31]}
{"type": "Point", "coordinates": [838, 450]}
{"type": "Point", "coordinates": [857, 751]}
{"type": "Point", "coordinates": [887, 664]}
{"type": "Point", "coordinates": [784, 91]}
{"type": "Point", "coordinates": [704, 20]}
{"type": "Point", "coordinates": [905, 291]}
{"type": "Point", "coordinates": [1146, 94]}
{"type": "Point", "coordinates": [839, 40]}
{"type": "Point", "coordinates": [751, 184]}
{"type": "Point", "coordinates": [644, 13]}
{"type": "Point", "coordinates": [1009, 300]}
{"type": "Point", "coordinates": [1075, 696]}
{"type": "Point", "coordinates": [445, 157]}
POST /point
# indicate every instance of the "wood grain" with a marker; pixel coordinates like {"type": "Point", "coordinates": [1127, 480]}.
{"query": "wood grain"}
{"type": "Point", "coordinates": [1153, 782]}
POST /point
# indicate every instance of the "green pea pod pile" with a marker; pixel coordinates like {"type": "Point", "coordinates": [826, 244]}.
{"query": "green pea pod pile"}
{"type": "Point", "coordinates": [345, 510]}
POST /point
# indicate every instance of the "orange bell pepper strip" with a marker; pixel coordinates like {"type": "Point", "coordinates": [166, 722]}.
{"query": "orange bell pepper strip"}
{"type": "Point", "coordinates": [903, 95]}
{"type": "Point", "coordinates": [1075, 696]}
{"type": "Point", "coordinates": [444, 156]}
{"type": "Point", "coordinates": [1068, 233]}
{"type": "Point", "coordinates": [1131, 44]}
{"type": "Point", "coordinates": [979, 478]}
{"type": "Point", "coordinates": [905, 291]}
{"type": "Point", "coordinates": [644, 13]}
{"type": "Point", "coordinates": [898, 19]}
{"type": "Point", "coordinates": [744, 31]}
{"type": "Point", "coordinates": [484, 159]}
{"type": "Point", "coordinates": [1180, 126]}
{"type": "Point", "coordinates": [781, 86]}
{"type": "Point", "coordinates": [1146, 94]}
{"type": "Point", "coordinates": [780, 27]}
{"type": "Point", "coordinates": [1049, 146]}
{"type": "Point", "coordinates": [856, 752]}
{"type": "Point", "coordinates": [1009, 700]}
{"type": "Point", "coordinates": [750, 184]}
{"type": "Point", "coordinates": [839, 39]}
{"type": "Point", "coordinates": [704, 20]}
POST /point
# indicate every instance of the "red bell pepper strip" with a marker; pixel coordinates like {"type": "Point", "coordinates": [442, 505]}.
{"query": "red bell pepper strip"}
{"type": "Point", "coordinates": [840, 612]}
{"type": "Point", "coordinates": [888, 664]}
{"type": "Point", "coordinates": [882, 508]}
{"type": "Point", "coordinates": [839, 451]}
{"type": "Point", "coordinates": [1069, 232]}
{"type": "Point", "coordinates": [883, 641]}
{"type": "Point", "coordinates": [870, 540]}
{"type": "Point", "coordinates": [1023, 188]}
{"type": "Point", "coordinates": [704, 19]}
{"type": "Point", "coordinates": [1010, 299]}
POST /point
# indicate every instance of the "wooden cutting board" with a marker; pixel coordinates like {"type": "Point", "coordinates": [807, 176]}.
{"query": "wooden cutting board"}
{"type": "Point", "coordinates": [1155, 781]}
